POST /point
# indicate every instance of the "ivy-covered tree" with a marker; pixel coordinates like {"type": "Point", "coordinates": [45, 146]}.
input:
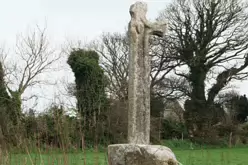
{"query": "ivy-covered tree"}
{"type": "Point", "coordinates": [242, 111]}
{"type": "Point", "coordinates": [4, 97]}
{"type": "Point", "coordinates": [238, 108]}
{"type": "Point", "coordinates": [90, 85]}
{"type": "Point", "coordinates": [157, 105]}
{"type": "Point", "coordinates": [7, 115]}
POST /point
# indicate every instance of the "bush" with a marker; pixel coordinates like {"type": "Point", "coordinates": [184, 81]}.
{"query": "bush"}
{"type": "Point", "coordinates": [172, 129]}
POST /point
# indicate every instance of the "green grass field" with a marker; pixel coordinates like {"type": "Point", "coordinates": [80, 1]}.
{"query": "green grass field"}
{"type": "Point", "coordinates": [235, 156]}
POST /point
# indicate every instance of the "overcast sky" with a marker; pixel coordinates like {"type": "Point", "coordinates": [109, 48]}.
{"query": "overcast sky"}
{"type": "Point", "coordinates": [69, 20]}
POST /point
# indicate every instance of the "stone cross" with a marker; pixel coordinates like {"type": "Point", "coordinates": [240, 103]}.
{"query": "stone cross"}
{"type": "Point", "coordinates": [139, 31]}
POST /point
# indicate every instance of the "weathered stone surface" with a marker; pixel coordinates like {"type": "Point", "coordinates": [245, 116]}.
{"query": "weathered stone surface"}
{"type": "Point", "coordinates": [131, 154]}
{"type": "Point", "coordinates": [139, 30]}
{"type": "Point", "coordinates": [138, 152]}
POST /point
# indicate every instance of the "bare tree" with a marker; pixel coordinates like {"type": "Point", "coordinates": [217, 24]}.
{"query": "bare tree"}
{"type": "Point", "coordinates": [163, 64]}
{"type": "Point", "coordinates": [210, 37]}
{"type": "Point", "coordinates": [34, 57]}
{"type": "Point", "coordinates": [114, 52]}
{"type": "Point", "coordinates": [173, 87]}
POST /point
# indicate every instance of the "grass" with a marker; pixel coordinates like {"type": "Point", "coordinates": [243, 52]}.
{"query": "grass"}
{"type": "Point", "coordinates": [187, 144]}
{"type": "Point", "coordinates": [59, 159]}
{"type": "Point", "coordinates": [235, 156]}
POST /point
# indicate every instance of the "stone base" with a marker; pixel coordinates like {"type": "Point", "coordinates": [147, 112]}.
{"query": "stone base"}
{"type": "Point", "coordinates": [132, 154]}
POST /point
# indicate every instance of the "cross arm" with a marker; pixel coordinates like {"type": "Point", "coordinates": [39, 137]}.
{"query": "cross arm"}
{"type": "Point", "coordinates": [157, 29]}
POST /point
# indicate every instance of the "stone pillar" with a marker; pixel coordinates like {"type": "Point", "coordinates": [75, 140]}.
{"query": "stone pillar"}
{"type": "Point", "coordinates": [139, 31]}
{"type": "Point", "coordinates": [138, 151]}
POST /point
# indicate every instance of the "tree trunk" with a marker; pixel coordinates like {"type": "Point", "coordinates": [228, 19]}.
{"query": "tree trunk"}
{"type": "Point", "coordinates": [16, 106]}
{"type": "Point", "coordinates": [197, 115]}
